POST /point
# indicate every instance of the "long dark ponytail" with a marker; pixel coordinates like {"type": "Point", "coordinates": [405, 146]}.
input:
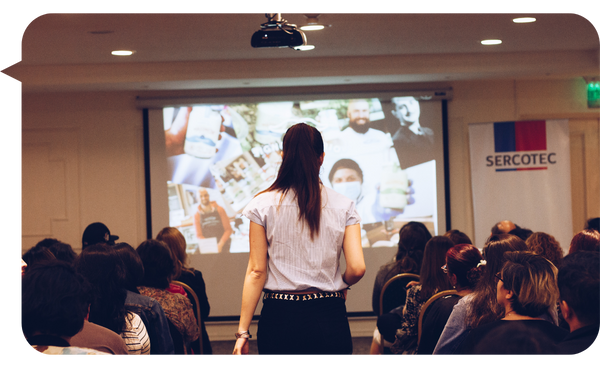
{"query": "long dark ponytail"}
{"type": "Point", "coordinates": [299, 171]}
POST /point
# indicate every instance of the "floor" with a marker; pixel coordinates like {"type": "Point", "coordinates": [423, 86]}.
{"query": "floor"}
{"type": "Point", "coordinates": [361, 345]}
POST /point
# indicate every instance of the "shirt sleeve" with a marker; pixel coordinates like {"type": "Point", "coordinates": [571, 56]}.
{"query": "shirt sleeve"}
{"type": "Point", "coordinates": [353, 217]}
{"type": "Point", "coordinates": [252, 213]}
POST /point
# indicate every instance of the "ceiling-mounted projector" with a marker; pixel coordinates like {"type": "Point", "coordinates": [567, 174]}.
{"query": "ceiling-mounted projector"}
{"type": "Point", "coordinates": [276, 32]}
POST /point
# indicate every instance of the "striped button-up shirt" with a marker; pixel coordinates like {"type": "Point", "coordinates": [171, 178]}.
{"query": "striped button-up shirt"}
{"type": "Point", "coordinates": [295, 262]}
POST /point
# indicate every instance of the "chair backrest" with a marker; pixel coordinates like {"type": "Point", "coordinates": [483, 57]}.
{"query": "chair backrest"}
{"type": "Point", "coordinates": [393, 292]}
{"type": "Point", "coordinates": [190, 292]}
{"type": "Point", "coordinates": [178, 341]}
{"type": "Point", "coordinates": [426, 305]}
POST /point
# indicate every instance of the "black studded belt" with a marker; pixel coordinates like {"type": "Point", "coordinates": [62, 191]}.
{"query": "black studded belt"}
{"type": "Point", "coordinates": [303, 297]}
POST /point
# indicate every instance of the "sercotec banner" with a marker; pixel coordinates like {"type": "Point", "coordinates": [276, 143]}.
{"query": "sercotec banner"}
{"type": "Point", "coordinates": [520, 171]}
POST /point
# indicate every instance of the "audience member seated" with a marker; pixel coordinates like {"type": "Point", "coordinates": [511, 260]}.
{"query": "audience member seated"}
{"type": "Point", "coordinates": [54, 306]}
{"type": "Point", "coordinates": [411, 244]}
{"type": "Point", "coordinates": [579, 286]}
{"type": "Point", "coordinates": [193, 278]}
{"type": "Point", "coordinates": [546, 246]}
{"type": "Point", "coordinates": [412, 239]}
{"type": "Point", "coordinates": [99, 338]}
{"type": "Point", "coordinates": [521, 232]}
{"type": "Point", "coordinates": [480, 306]}
{"type": "Point", "coordinates": [35, 255]}
{"type": "Point", "coordinates": [463, 267]}
{"type": "Point", "coordinates": [149, 310]}
{"type": "Point", "coordinates": [583, 240]}
{"type": "Point", "coordinates": [458, 237]}
{"type": "Point", "coordinates": [104, 270]}
{"type": "Point", "coordinates": [503, 227]}
{"type": "Point", "coordinates": [400, 325]}
{"type": "Point", "coordinates": [97, 233]}
{"type": "Point", "coordinates": [526, 289]}
{"type": "Point", "coordinates": [61, 251]}
{"type": "Point", "coordinates": [593, 224]}
{"type": "Point", "coordinates": [158, 269]}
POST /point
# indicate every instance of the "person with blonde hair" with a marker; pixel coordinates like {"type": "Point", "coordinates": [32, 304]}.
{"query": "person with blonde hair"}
{"type": "Point", "coordinates": [526, 288]}
{"type": "Point", "coordinates": [182, 272]}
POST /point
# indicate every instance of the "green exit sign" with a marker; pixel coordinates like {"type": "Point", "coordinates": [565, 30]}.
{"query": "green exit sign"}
{"type": "Point", "coordinates": [593, 94]}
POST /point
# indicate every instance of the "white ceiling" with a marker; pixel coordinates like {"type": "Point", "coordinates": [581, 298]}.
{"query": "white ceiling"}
{"type": "Point", "coordinates": [187, 51]}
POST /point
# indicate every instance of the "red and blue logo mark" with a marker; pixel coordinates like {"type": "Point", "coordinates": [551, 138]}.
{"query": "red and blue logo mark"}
{"type": "Point", "coordinates": [520, 146]}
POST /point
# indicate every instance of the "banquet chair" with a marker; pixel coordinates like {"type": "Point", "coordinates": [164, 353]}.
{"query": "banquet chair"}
{"type": "Point", "coordinates": [393, 292]}
{"type": "Point", "coordinates": [193, 295]}
{"type": "Point", "coordinates": [426, 305]}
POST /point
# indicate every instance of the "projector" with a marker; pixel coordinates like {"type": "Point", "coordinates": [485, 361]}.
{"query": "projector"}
{"type": "Point", "coordinates": [278, 37]}
{"type": "Point", "coordinates": [277, 33]}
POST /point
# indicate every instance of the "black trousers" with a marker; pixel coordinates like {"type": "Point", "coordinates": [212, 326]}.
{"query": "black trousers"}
{"type": "Point", "coordinates": [317, 326]}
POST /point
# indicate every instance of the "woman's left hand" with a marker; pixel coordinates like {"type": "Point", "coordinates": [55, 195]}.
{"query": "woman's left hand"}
{"type": "Point", "coordinates": [241, 346]}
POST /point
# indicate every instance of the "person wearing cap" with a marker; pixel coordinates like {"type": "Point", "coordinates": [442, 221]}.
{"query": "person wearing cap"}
{"type": "Point", "coordinates": [96, 233]}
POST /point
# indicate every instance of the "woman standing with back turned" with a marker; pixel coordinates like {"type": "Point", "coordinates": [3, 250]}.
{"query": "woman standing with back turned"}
{"type": "Point", "coordinates": [298, 231]}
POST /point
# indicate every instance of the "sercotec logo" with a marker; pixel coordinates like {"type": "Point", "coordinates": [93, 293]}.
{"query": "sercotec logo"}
{"type": "Point", "coordinates": [520, 146]}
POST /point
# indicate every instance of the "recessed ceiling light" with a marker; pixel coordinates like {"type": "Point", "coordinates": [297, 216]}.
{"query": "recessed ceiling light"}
{"type": "Point", "coordinates": [313, 27]}
{"type": "Point", "coordinates": [122, 52]}
{"type": "Point", "coordinates": [524, 20]}
{"type": "Point", "coordinates": [304, 47]}
{"type": "Point", "coordinates": [491, 42]}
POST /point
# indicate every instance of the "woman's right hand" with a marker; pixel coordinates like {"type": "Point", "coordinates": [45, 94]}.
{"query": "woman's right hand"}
{"type": "Point", "coordinates": [241, 346]}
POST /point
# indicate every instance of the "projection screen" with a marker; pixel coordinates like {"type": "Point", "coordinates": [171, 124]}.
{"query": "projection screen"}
{"type": "Point", "coordinates": [207, 158]}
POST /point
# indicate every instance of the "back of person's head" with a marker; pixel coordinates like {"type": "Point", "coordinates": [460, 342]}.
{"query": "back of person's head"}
{"type": "Point", "coordinates": [579, 285]}
{"type": "Point", "coordinates": [458, 237]}
{"type": "Point", "coordinates": [55, 299]}
{"type": "Point", "coordinates": [532, 279]}
{"type": "Point", "coordinates": [493, 253]}
{"type": "Point", "coordinates": [503, 227]}
{"type": "Point", "coordinates": [37, 254]}
{"type": "Point", "coordinates": [175, 240]}
{"type": "Point", "coordinates": [464, 261]}
{"type": "Point", "coordinates": [485, 308]}
{"type": "Point", "coordinates": [412, 240]}
{"type": "Point", "coordinates": [46, 242]}
{"type": "Point", "coordinates": [104, 270]}
{"type": "Point", "coordinates": [514, 339]}
{"type": "Point", "coordinates": [546, 246]}
{"type": "Point", "coordinates": [432, 278]}
{"type": "Point", "coordinates": [521, 232]}
{"type": "Point", "coordinates": [585, 240]}
{"type": "Point", "coordinates": [302, 147]}
{"type": "Point", "coordinates": [97, 233]}
{"type": "Point", "coordinates": [63, 251]}
{"type": "Point", "coordinates": [134, 269]}
{"type": "Point", "coordinates": [158, 263]}
{"type": "Point", "coordinates": [593, 224]}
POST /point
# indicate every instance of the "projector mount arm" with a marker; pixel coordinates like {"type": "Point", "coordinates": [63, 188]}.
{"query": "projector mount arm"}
{"type": "Point", "coordinates": [274, 20]}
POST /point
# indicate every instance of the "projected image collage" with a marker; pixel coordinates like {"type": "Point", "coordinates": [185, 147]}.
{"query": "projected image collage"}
{"type": "Point", "coordinates": [377, 153]}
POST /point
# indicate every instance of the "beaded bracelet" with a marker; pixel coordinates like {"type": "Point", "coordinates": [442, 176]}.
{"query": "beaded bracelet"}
{"type": "Point", "coordinates": [243, 334]}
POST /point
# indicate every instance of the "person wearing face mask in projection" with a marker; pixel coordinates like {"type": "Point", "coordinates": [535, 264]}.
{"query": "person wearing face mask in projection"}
{"type": "Point", "coordinates": [346, 178]}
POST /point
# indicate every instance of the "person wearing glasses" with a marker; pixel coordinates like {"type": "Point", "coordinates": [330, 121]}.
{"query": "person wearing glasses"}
{"type": "Point", "coordinates": [479, 307]}
{"type": "Point", "coordinates": [464, 266]}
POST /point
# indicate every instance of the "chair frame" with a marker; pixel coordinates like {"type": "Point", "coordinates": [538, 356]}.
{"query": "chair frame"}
{"type": "Point", "coordinates": [385, 286]}
{"type": "Point", "coordinates": [424, 307]}
{"type": "Point", "coordinates": [191, 292]}
{"type": "Point", "coordinates": [392, 280]}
